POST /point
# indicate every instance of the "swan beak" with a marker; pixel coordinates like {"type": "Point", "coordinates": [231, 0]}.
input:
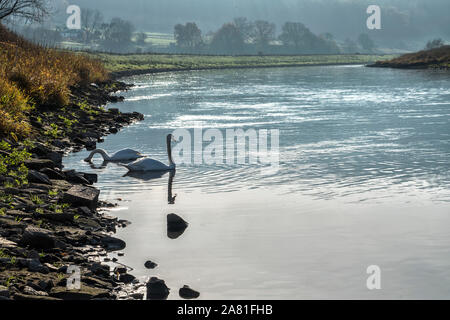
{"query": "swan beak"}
{"type": "Point", "coordinates": [174, 140]}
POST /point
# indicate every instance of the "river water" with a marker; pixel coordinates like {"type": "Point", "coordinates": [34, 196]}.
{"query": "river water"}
{"type": "Point", "coordinates": [363, 180]}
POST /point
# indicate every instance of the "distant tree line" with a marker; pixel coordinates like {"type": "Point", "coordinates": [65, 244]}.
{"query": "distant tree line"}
{"type": "Point", "coordinates": [242, 36]}
{"type": "Point", "coordinates": [115, 35]}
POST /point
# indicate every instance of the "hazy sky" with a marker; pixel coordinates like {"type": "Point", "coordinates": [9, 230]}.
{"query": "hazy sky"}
{"type": "Point", "coordinates": [344, 18]}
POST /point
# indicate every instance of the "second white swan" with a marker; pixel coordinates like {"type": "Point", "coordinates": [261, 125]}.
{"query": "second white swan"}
{"type": "Point", "coordinates": [147, 164]}
{"type": "Point", "coordinates": [122, 155]}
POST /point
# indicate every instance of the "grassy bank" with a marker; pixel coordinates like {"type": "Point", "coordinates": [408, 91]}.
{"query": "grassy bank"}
{"type": "Point", "coordinates": [151, 63]}
{"type": "Point", "coordinates": [438, 58]}
{"type": "Point", "coordinates": [48, 216]}
{"type": "Point", "coordinates": [34, 77]}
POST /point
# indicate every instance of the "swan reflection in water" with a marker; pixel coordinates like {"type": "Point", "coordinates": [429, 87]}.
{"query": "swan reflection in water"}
{"type": "Point", "coordinates": [175, 225]}
{"type": "Point", "coordinates": [152, 175]}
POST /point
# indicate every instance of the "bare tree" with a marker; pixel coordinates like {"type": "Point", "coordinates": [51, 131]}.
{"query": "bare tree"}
{"type": "Point", "coordinates": [91, 20]}
{"type": "Point", "coordinates": [32, 10]}
{"type": "Point", "coordinates": [263, 32]}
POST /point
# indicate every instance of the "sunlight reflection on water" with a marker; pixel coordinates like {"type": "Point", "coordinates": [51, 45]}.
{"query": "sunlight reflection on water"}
{"type": "Point", "coordinates": [364, 179]}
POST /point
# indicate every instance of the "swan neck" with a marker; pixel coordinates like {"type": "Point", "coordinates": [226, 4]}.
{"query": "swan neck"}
{"type": "Point", "coordinates": [169, 151]}
{"type": "Point", "coordinates": [101, 152]}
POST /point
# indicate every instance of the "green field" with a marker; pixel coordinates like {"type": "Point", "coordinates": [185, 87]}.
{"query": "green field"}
{"type": "Point", "coordinates": [149, 63]}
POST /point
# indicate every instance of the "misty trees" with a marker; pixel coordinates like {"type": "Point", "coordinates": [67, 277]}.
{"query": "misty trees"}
{"type": "Point", "coordinates": [299, 39]}
{"type": "Point", "coordinates": [295, 34]}
{"type": "Point", "coordinates": [433, 44]}
{"type": "Point", "coordinates": [263, 32]}
{"type": "Point", "coordinates": [366, 42]}
{"type": "Point", "coordinates": [350, 46]}
{"type": "Point", "coordinates": [228, 39]}
{"type": "Point", "coordinates": [188, 36]}
{"type": "Point", "coordinates": [117, 34]}
{"type": "Point", "coordinates": [244, 27]}
{"type": "Point", "coordinates": [91, 20]}
{"type": "Point", "coordinates": [32, 10]}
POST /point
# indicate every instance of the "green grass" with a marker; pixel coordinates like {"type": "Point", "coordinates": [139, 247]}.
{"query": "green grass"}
{"type": "Point", "coordinates": [164, 62]}
{"type": "Point", "coordinates": [159, 39]}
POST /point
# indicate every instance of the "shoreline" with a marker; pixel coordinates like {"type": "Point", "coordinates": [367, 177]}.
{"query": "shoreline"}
{"type": "Point", "coordinates": [116, 75]}
{"type": "Point", "coordinates": [54, 220]}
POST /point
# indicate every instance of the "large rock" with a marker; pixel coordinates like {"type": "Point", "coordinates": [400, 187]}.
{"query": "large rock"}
{"type": "Point", "coordinates": [33, 292]}
{"type": "Point", "coordinates": [52, 174]}
{"type": "Point", "coordinates": [157, 289]}
{"type": "Point", "coordinates": [26, 297]}
{"type": "Point", "coordinates": [112, 244]}
{"type": "Point", "coordinates": [188, 293]}
{"type": "Point", "coordinates": [56, 157]}
{"type": "Point", "coordinates": [38, 238]}
{"type": "Point", "coordinates": [4, 292]}
{"type": "Point", "coordinates": [33, 265]}
{"type": "Point", "coordinates": [85, 293]}
{"type": "Point", "coordinates": [38, 164]}
{"type": "Point", "coordinates": [76, 177]}
{"type": "Point", "coordinates": [175, 226]}
{"type": "Point", "coordinates": [36, 266]}
{"type": "Point", "coordinates": [38, 177]}
{"type": "Point", "coordinates": [126, 278]}
{"type": "Point", "coordinates": [61, 217]}
{"type": "Point", "coordinates": [82, 196]}
{"type": "Point", "coordinates": [5, 243]}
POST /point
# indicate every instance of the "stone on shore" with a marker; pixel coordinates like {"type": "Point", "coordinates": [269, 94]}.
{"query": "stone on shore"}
{"type": "Point", "coordinates": [38, 164]}
{"type": "Point", "coordinates": [157, 289]}
{"type": "Point", "coordinates": [187, 293]}
{"type": "Point", "coordinates": [52, 174]}
{"type": "Point", "coordinates": [38, 238]}
{"type": "Point", "coordinates": [26, 297]}
{"type": "Point", "coordinates": [4, 243]}
{"type": "Point", "coordinates": [38, 177]}
{"type": "Point", "coordinates": [120, 270]}
{"type": "Point", "coordinates": [32, 292]}
{"type": "Point", "coordinates": [4, 292]}
{"type": "Point", "coordinates": [113, 244]}
{"type": "Point", "coordinates": [60, 217]}
{"type": "Point", "coordinates": [35, 265]}
{"type": "Point", "coordinates": [126, 278]}
{"type": "Point", "coordinates": [84, 293]}
{"type": "Point", "coordinates": [82, 196]}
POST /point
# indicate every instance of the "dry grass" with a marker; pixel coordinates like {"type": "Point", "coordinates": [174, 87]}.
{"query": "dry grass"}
{"type": "Point", "coordinates": [31, 74]}
{"type": "Point", "coordinates": [13, 106]}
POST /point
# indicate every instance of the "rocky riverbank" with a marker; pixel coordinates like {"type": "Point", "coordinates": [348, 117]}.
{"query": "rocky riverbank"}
{"type": "Point", "coordinates": [438, 58]}
{"type": "Point", "coordinates": [50, 220]}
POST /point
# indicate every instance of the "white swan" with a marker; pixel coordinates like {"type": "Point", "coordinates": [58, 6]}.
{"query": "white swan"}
{"type": "Point", "coordinates": [147, 164]}
{"type": "Point", "coordinates": [122, 155]}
